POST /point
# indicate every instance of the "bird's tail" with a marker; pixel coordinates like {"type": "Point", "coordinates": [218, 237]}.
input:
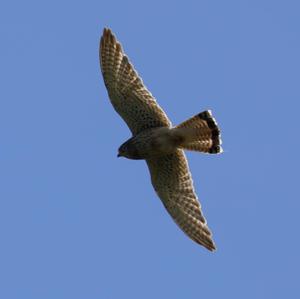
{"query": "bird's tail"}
{"type": "Point", "coordinates": [200, 133]}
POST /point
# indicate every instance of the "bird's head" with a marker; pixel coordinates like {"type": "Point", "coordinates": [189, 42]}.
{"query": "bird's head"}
{"type": "Point", "coordinates": [128, 150]}
{"type": "Point", "coordinates": [122, 151]}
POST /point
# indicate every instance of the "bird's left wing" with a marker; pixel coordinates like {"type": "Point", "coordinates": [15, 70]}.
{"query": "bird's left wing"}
{"type": "Point", "coordinates": [126, 90]}
{"type": "Point", "coordinates": [173, 183]}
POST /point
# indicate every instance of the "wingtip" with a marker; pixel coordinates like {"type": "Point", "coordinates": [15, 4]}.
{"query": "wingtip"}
{"type": "Point", "coordinates": [108, 36]}
{"type": "Point", "coordinates": [209, 245]}
{"type": "Point", "coordinates": [106, 30]}
{"type": "Point", "coordinates": [213, 248]}
{"type": "Point", "coordinates": [205, 240]}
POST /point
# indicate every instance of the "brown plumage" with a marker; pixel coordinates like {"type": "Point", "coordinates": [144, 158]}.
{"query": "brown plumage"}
{"type": "Point", "coordinates": [201, 134]}
{"type": "Point", "coordinates": [155, 140]}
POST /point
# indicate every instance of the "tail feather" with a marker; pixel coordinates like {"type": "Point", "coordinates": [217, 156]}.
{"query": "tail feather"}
{"type": "Point", "coordinates": [200, 133]}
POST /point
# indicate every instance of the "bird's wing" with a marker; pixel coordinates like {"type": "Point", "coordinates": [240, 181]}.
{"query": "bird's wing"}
{"type": "Point", "coordinates": [126, 90]}
{"type": "Point", "coordinates": [172, 182]}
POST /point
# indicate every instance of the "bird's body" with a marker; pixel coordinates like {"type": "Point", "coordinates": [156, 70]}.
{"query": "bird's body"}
{"type": "Point", "coordinates": [155, 140]}
{"type": "Point", "coordinates": [151, 143]}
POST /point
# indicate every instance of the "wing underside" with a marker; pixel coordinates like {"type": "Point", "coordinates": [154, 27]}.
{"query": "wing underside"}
{"type": "Point", "coordinates": [128, 95]}
{"type": "Point", "coordinates": [172, 181]}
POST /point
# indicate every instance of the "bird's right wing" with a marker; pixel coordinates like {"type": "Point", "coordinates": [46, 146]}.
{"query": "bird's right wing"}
{"type": "Point", "coordinates": [172, 182]}
{"type": "Point", "coordinates": [130, 98]}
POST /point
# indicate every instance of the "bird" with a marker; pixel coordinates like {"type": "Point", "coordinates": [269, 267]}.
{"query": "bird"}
{"type": "Point", "coordinates": [156, 141]}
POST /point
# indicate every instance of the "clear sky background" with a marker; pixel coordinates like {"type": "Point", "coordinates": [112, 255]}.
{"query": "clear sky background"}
{"type": "Point", "coordinates": [76, 222]}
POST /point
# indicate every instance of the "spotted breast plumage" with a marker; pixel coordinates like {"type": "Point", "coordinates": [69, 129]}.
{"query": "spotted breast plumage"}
{"type": "Point", "coordinates": [155, 140]}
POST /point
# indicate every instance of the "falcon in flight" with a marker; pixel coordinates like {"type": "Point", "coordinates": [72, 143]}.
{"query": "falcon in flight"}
{"type": "Point", "coordinates": [155, 140]}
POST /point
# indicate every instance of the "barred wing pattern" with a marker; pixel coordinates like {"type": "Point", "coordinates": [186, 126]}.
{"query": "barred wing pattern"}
{"type": "Point", "coordinates": [126, 90]}
{"type": "Point", "coordinates": [173, 183]}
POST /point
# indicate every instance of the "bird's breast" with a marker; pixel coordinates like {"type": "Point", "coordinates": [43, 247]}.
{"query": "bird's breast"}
{"type": "Point", "coordinates": [154, 142]}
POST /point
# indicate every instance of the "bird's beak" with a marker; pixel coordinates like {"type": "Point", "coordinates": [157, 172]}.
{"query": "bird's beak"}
{"type": "Point", "coordinates": [119, 155]}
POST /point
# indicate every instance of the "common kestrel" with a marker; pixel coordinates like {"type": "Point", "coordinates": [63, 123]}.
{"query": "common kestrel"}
{"type": "Point", "coordinates": [157, 141]}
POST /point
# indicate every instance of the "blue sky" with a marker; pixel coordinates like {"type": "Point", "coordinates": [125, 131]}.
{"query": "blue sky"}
{"type": "Point", "coordinates": [76, 222]}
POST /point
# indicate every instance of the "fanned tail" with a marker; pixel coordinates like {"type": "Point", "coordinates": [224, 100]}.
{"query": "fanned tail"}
{"type": "Point", "coordinates": [200, 133]}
